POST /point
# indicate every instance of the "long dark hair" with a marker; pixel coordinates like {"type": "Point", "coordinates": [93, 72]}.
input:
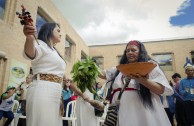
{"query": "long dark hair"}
{"type": "Point", "coordinates": [144, 92]}
{"type": "Point", "coordinates": [46, 32]}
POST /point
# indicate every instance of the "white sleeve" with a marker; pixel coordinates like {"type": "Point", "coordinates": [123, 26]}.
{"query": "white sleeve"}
{"type": "Point", "coordinates": [110, 73]}
{"type": "Point", "coordinates": [158, 76]}
{"type": "Point", "coordinates": [39, 52]}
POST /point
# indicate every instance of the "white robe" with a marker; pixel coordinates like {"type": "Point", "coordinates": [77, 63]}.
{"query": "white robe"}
{"type": "Point", "coordinates": [85, 112]}
{"type": "Point", "coordinates": [132, 112]}
{"type": "Point", "coordinates": [43, 97]}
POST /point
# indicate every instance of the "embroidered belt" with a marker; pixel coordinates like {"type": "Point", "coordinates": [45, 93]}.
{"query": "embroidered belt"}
{"type": "Point", "coordinates": [48, 77]}
{"type": "Point", "coordinates": [119, 89]}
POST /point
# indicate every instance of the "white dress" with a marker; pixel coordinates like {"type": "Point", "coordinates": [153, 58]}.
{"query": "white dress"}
{"type": "Point", "coordinates": [43, 97]}
{"type": "Point", "coordinates": [85, 112]}
{"type": "Point", "coordinates": [132, 112]}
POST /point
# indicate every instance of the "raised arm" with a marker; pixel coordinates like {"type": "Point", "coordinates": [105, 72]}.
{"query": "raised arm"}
{"type": "Point", "coordinates": [29, 46]}
{"type": "Point", "coordinates": [8, 94]}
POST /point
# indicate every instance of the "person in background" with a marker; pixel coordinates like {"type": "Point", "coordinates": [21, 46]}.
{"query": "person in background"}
{"type": "Point", "coordinates": [140, 104]}
{"type": "Point", "coordinates": [187, 91]}
{"type": "Point", "coordinates": [67, 93]}
{"type": "Point", "coordinates": [179, 104]}
{"type": "Point", "coordinates": [22, 100]}
{"type": "Point", "coordinates": [48, 66]}
{"type": "Point", "coordinates": [7, 100]}
{"type": "Point", "coordinates": [99, 89]}
{"type": "Point", "coordinates": [100, 92]}
{"type": "Point", "coordinates": [169, 105]}
{"type": "Point", "coordinates": [176, 78]}
{"type": "Point", "coordinates": [23, 91]}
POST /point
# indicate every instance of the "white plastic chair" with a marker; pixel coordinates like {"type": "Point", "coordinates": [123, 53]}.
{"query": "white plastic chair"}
{"type": "Point", "coordinates": [101, 119]}
{"type": "Point", "coordinates": [18, 116]}
{"type": "Point", "coordinates": [72, 116]}
{"type": "Point", "coordinates": [14, 110]}
{"type": "Point", "coordinates": [15, 106]}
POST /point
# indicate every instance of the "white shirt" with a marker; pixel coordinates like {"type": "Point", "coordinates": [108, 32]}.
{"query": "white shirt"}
{"type": "Point", "coordinates": [47, 60]}
{"type": "Point", "coordinates": [6, 104]}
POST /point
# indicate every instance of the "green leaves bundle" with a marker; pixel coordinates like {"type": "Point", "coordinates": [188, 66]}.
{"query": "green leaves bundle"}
{"type": "Point", "coordinates": [84, 74]}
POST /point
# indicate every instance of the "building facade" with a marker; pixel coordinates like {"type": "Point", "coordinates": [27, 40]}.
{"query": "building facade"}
{"type": "Point", "coordinates": [71, 47]}
{"type": "Point", "coordinates": [170, 54]}
{"type": "Point", "coordinates": [14, 68]}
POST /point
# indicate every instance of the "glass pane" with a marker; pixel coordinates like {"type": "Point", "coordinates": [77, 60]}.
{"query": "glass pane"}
{"type": "Point", "coordinates": [83, 56]}
{"type": "Point", "coordinates": [119, 58]}
{"type": "Point", "coordinates": [39, 22]}
{"type": "Point", "coordinates": [2, 8]}
{"type": "Point", "coordinates": [99, 62]}
{"type": "Point", "coordinates": [164, 60]}
{"type": "Point", "coordinates": [68, 47]}
{"type": "Point", "coordinates": [192, 57]}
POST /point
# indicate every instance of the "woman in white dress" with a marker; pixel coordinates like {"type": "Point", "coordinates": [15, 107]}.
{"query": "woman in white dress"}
{"type": "Point", "coordinates": [140, 104]}
{"type": "Point", "coordinates": [43, 95]}
{"type": "Point", "coordinates": [84, 110]}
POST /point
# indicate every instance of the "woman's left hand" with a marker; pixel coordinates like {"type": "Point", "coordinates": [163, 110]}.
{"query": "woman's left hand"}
{"type": "Point", "coordinates": [85, 97]}
{"type": "Point", "coordinates": [151, 85]}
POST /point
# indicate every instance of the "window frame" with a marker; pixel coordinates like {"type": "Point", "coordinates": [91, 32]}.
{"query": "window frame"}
{"type": "Point", "coordinates": [83, 54]}
{"type": "Point", "coordinates": [44, 15]}
{"type": "Point", "coordinates": [72, 44]}
{"type": "Point", "coordinates": [163, 67]}
{"type": "Point", "coordinates": [192, 56]}
{"type": "Point", "coordinates": [119, 58]}
{"type": "Point", "coordinates": [3, 10]}
{"type": "Point", "coordinates": [101, 66]}
{"type": "Point", "coordinates": [9, 12]}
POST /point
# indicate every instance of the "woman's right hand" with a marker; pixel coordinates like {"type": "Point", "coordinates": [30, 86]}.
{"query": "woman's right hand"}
{"type": "Point", "coordinates": [29, 31]}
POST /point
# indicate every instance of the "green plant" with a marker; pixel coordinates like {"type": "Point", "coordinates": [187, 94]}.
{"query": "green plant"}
{"type": "Point", "coordinates": [85, 73]}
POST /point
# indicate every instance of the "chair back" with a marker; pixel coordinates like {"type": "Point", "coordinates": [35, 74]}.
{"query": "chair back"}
{"type": "Point", "coordinates": [71, 109]}
{"type": "Point", "coordinates": [15, 106]}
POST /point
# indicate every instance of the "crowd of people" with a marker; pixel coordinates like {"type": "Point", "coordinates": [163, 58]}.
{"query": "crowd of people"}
{"type": "Point", "coordinates": [149, 100]}
{"type": "Point", "coordinates": [181, 104]}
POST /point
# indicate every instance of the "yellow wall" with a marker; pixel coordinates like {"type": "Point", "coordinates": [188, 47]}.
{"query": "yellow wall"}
{"type": "Point", "coordinates": [12, 38]}
{"type": "Point", "coordinates": [181, 49]}
{"type": "Point", "coordinates": [12, 41]}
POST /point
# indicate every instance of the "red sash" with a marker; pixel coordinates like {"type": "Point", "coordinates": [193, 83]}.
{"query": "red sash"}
{"type": "Point", "coordinates": [118, 89]}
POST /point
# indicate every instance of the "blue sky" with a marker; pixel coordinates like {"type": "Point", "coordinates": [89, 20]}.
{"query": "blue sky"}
{"type": "Point", "coordinates": [119, 21]}
{"type": "Point", "coordinates": [186, 15]}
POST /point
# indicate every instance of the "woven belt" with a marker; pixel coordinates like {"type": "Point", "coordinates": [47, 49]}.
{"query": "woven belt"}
{"type": "Point", "coordinates": [48, 77]}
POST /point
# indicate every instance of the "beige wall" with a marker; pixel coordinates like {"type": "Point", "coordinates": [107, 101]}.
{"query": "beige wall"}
{"type": "Point", "coordinates": [12, 38]}
{"type": "Point", "coordinates": [12, 41]}
{"type": "Point", "coordinates": [181, 49]}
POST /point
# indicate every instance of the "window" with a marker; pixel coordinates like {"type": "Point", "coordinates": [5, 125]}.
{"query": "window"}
{"type": "Point", "coordinates": [165, 60]}
{"type": "Point", "coordinates": [41, 18]}
{"type": "Point", "coordinates": [83, 56]}
{"type": "Point", "coordinates": [8, 11]}
{"type": "Point", "coordinates": [119, 58]}
{"type": "Point", "coordinates": [192, 56]}
{"type": "Point", "coordinates": [2, 8]}
{"type": "Point", "coordinates": [3, 64]}
{"type": "Point", "coordinates": [68, 48]}
{"type": "Point", "coordinates": [99, 62]}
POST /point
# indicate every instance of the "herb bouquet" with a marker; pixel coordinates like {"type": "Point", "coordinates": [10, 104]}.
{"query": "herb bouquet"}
{"type": "Point", "coordinates": [85, 74]}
